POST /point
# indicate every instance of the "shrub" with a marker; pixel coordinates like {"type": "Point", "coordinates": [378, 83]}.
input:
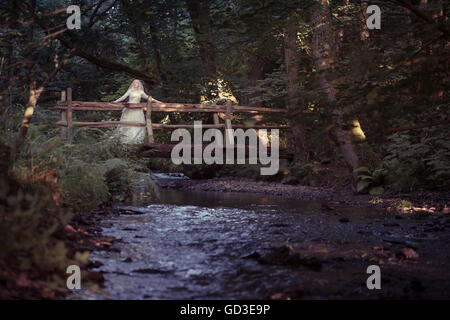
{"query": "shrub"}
{"type": "Point", "coordinates": [83, 186]}
{"type": "Point", "coordinates": [418, 161]}
{"type": "Point", "coordinates": [29, 219]}
{"type": "Point", "coordinates": [304, 173]}
{"type": "Point", "coordinates": [370, 182]}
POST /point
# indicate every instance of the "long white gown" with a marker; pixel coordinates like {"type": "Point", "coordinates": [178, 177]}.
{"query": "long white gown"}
{"type": "Point", "coordinates": [129, 134]}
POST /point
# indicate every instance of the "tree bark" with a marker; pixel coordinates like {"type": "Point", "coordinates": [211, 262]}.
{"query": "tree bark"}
{"type": "Point", "coordinates": [33, 97]}
{"type": "Point", "coordinates": [200, 16]}
{"type": "Point", "coordinates": [256, 73]}
{"type": "Point", "coordinates": [34, 94]}
{"type": "Point", "coordinates": [324, 55]}
{"type": "Point", "coordinates": [156, 46]}
{"type": "Point", "coordinates": [291, 61]}
{"type": "Point", "coordinates": [142, 54]}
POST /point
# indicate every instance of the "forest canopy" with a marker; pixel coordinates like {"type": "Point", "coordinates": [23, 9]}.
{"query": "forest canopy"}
{"type": "Point", "coordinates": [358, 98]}
{"type": "Point", "coordinates": [360, 88]}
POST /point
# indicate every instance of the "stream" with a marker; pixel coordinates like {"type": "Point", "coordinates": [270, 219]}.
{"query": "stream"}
{"type": "Point", "coordinates": [212, 245]}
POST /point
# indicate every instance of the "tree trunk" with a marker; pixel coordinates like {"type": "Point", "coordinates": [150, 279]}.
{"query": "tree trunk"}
{"type": "Point", "coordinates": [156, 45]}
{"type": "Point", "coordinates": [297, 139]}
{"type": "Point", "coordinates": [142, 54]}
{"type": "Point", "coordinates": [199, 12]}
{"type": "Point", "coordinates": [256, 73]}
{"type": "Point", "coordinates": [324, 55]}
{"type": "Point", "coordinates": [33, 97]}
{"type": "Point", "coordinates": [156, 49]}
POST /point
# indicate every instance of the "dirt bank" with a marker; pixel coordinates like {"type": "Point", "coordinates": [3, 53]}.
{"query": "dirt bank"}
{"type": "Point", "coordinates": [79, 236]}
{"type": "Point", "coordinates": [431, 202]}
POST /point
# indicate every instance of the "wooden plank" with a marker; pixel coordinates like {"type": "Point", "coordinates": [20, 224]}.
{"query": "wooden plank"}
{"type": "Point", "coordinates": [148, 119]}
{"type": "Point", "coordinates": [155, 108]}
{"type": "Point", "coordinates": [165, 107]}
{"type": "Point", "coordinates": [216, 118]}
{"type": "Point", "coordinates": [82, 108]}
{"type": "Point", "coordinates": [101, 124]}
{"type": "Point", "coordinates": [159, 126]}
{"type": "Point", "coordinates": [69, 115]}
{"type": "Point", "coordinates": [105, 124]}
{"type": "Point", "coordinates": [229, 138]}
{"type": "Point", "coordinates": [281, 127]}
{"type": "Point", "coordinates": [186, 126]}
{"type": "Point", "coordinates": [160, 150]}
{"type": "Point", "coordinates": [228, 115]}
{"type": "Point", "coordinates": [63, 115]}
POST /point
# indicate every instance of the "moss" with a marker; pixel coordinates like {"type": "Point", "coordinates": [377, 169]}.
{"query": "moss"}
{"type": "Point", "coordinates": [403, 204]}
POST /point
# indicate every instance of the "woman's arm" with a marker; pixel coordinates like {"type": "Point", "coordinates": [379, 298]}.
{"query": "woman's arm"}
{"type": "Point", "coordinates": [145, 96]}
{"type": "Point", "coordinates": [123, 97]}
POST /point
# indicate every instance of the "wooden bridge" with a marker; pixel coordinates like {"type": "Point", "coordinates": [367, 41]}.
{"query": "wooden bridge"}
{"type": "Point", "coordinates": [67, 106]}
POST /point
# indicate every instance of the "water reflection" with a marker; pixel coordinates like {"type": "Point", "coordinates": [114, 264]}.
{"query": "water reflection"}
{"type": "Point", "coordinates": [193, 245]}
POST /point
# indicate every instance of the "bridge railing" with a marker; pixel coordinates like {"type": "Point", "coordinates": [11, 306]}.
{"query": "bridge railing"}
{"type": "Point", "coordinates": [67, 106]}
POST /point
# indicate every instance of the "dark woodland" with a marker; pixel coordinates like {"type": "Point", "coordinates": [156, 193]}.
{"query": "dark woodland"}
{"type": "Point", "coordinates": [364, 171]}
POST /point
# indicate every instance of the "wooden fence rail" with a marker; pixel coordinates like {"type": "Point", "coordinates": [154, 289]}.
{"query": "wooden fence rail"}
{"type": "Point", "coordinates": [67, 106]}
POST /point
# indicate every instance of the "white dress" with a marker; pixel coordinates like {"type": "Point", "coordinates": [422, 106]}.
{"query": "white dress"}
{"type": "Point", "coordinates": [130, 134]}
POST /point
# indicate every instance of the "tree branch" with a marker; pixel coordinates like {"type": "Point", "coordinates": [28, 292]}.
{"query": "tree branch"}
{"type": "Point", "coordinates": [423, 16]}
{"type": "Point", "coordinates": [101, 62]}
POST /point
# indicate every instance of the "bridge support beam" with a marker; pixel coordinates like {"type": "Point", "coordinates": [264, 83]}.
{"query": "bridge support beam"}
{"type": "Point", "coordinates": [148, 119]}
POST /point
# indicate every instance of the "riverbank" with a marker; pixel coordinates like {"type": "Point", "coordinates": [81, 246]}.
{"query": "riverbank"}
{"type": "Point", "coordinates": [427, 202]}
{"type": "Point", "coordinates": [77, 240]}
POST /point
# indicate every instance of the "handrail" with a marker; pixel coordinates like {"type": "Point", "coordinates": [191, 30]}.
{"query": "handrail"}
{"type": "Point", "coordinates": [162, 107]}
{"type": "Point", "coordinates": [67, 106]}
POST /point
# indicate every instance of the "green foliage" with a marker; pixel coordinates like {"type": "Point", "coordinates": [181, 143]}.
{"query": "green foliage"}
{"type": "Point", "coordinates": [29, 220]}
{"type": "Point", "coordinates": [303, 173]}
{"type": "Point", "coordinates": [370, 182]}
{"type": "Point", "coordinates": [120, 178]}
{"type": "Point", "coordinates": [418, 161]}
{"type": "Point", "coordinates": [394, 78]}
{"type": "Point", "coordinates": [83, 186]}
{"type": "Point", "coordinates": [403, 204]}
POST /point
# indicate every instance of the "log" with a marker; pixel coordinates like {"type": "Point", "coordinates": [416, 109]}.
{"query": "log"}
{"type": "Point", "coordinates": [63, 115]}
{"type": "Point", "coordinates": [105, 124]}
{"type": "Point", "coordinates": [69, 115]}
{"type": "Point", "coordinates": [160, 150]}
{"type": "Point", "coordinates": [228, 134]}
{"type": "Point", "coordinates": [148, 119]}
{"type": "Point", "coordinates": [101, 124]}
{"type": "Point", "coordinates": [159, 126]}
{"type": "Point", "coordinates": [242, 126]}
{"type": "Point", "coordinates": [165, 107]}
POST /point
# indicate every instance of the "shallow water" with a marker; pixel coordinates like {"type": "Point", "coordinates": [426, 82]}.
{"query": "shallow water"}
{"type": "Point", "coordinates": [192, 245]}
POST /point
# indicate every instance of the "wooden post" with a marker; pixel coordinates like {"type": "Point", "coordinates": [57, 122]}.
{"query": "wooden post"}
{"type": "Point", "coordinates": [216, 118]}
{"type": "Point", "coordinates": [69, 115]}
{"type": "Point", "coordinates": [228, 133]}
{"type": "Point", "coordinates": [148, 118]}
{"type": "Point", "coordinates": [63, 114]}
{"type": "Point", "coordinates": [262, 138]}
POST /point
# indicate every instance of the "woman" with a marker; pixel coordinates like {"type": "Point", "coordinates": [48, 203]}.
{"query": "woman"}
{"type": "Point", "coordinates": [131, 134]}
